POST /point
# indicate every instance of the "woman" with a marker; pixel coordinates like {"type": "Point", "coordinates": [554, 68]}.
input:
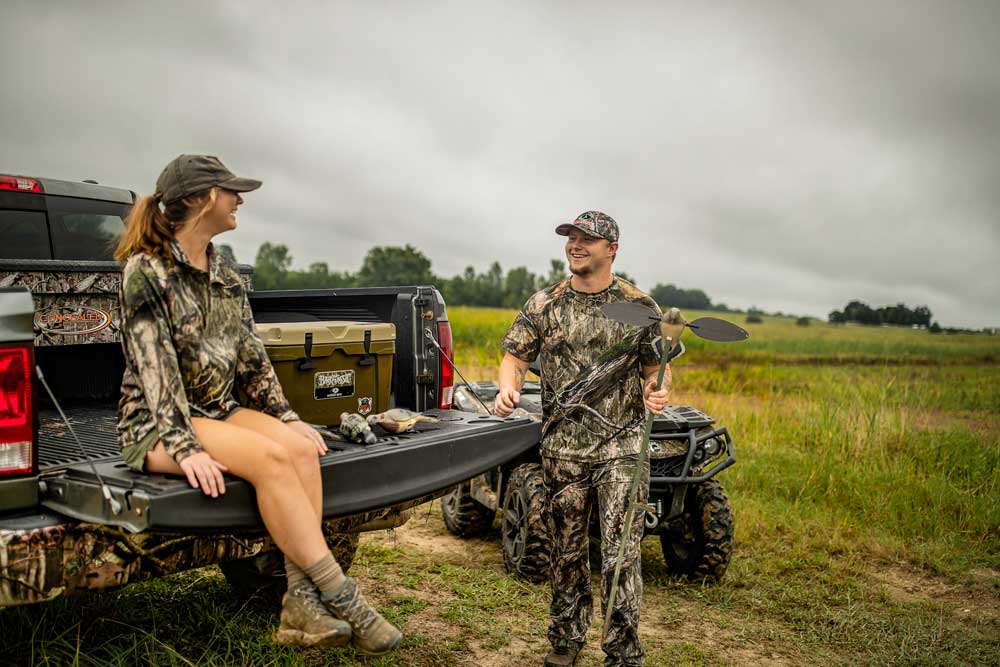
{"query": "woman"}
{"type": "Point", "coordinates": [189, 345]}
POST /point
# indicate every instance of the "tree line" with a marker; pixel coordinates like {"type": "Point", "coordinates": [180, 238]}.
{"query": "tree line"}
{"type": "Point", "coordinates": [899, 315]}
{"type": "Point", "coordinates": [385, 266]}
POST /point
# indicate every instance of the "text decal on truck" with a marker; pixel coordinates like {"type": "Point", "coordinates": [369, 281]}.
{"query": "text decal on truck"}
{"type": "Point", "coordinates": [72, 321]}
{"type": "Point", "coordinates": [333, 384]}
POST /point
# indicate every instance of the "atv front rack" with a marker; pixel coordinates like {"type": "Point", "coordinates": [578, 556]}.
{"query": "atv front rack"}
{"type": "Point", "coordinates": [660, 468]}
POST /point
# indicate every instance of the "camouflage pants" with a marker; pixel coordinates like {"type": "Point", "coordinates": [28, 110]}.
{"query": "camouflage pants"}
{"type": "Point", "coordinates": [573, 488]}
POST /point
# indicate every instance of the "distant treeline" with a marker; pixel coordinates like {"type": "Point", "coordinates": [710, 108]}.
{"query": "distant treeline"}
{"type": "Point", "coordinates": [899, 315]}
{"type": "Point", "coordinates": [393, 265]}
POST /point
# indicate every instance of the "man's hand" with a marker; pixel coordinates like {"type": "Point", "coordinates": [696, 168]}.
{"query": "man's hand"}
{"type": "Point", "coordinates": [505, 402]}
{"type": "Point", "coordinates": [655, 400]}
{"type": "Point", "coordinates": [512, 374]}
{"type": "Point", "coordinates": [311, 434]}
{"type": "Point", "coordinates": [205, 473]}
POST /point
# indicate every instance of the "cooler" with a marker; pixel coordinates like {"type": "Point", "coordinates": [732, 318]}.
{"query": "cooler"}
{"type": "Point", "coordinates": [330, 367]}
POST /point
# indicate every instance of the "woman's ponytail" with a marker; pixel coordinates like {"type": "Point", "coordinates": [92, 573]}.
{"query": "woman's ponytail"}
{"type": "Point", "coordinates": [146, 230]}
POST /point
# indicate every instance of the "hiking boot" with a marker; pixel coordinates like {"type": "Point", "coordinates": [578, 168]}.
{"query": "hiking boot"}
{"type": "Point", "coordinates": [562, 655]}
{"type": "Point", "coordinates": [373, 635]}
{"type": "Point", "coordinates": [306, 622]}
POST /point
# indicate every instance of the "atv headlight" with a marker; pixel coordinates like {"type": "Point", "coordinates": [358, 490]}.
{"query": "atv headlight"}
{"type": "Point", "coordinates": [712, 447]}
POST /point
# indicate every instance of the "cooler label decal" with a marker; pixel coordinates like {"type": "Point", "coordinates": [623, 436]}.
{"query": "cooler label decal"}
{"type": "Point", "coordinates": [333, 384]}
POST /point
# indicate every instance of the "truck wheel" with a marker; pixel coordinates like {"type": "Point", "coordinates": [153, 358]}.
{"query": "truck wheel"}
{"type": "Point", "coordinates": [525, 536]}
{"type": "Point", "coordinates": [263, 575]}
{"type": "Point", "coordinates": [464, 515]}
{"type": "Point", "coordinates": [703, 544]}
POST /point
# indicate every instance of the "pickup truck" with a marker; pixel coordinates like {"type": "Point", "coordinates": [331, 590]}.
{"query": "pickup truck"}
{"type": "Point", "coordinates": [74, 517]}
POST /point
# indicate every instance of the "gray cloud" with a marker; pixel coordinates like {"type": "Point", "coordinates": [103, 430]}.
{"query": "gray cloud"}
{"type": "Point", "coordinates": [788, 155]}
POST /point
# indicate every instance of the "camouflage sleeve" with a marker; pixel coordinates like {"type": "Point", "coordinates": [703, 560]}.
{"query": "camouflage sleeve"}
{"type": "Point", "coordinates": [649, 355]}
{"type": "Point", "coordinates": [148, 341]}
{"type": "Point", "coordinates": [255, 374]}
{"type": "Point", "coordinates": [522, 339]}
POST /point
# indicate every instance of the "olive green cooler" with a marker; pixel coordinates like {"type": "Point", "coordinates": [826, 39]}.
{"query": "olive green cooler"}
{"type": "Point", "coordinates": [326, 368]}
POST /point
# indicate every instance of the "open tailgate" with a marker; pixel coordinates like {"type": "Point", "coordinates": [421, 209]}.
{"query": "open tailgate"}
{"type": "Point", "coordinates": [356, 478]}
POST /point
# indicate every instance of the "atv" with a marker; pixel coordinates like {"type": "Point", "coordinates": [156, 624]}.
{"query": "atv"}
{"type": "Point", "coordinates": [688, 509]}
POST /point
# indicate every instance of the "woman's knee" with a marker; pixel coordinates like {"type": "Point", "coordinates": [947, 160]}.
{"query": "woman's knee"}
{"type": "Point", "coordinates": [302, 451]}
{"type": "Point", "coordinates": [273, 462]}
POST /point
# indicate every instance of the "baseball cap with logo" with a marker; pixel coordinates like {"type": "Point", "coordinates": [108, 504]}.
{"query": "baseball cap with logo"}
{"type": "Point", "coordinates": [592, 223]}
{"type": "Point", "coordinates": [190, 174]}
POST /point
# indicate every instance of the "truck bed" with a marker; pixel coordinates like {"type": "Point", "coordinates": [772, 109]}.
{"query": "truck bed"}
{"type": "Point", "coordinates": [356, 478]}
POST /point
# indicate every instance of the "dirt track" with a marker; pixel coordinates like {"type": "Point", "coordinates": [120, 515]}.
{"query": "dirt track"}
{"type": "Point", "coordinates": [676, 629]}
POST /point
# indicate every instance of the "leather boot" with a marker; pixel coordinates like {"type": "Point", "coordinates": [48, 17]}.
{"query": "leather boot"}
{"type": "Point", "coordinates": [373, 635]}
{"type": "Point", "coordinates": [306, 622]}
{"type": "Point", "coordinates": [562, 654]}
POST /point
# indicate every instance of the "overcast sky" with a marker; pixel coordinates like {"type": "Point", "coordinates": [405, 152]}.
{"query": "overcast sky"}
{"type": "Point", "coordinates": [788, 155]}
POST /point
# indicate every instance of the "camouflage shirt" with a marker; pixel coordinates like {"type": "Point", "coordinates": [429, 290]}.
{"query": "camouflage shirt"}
{"type": "Point", "coordinates": [586, 358]}
{"type": "Point", "coordinates": [189, 341]}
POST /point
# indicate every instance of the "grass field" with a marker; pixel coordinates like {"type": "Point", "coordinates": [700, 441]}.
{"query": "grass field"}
{"type": "Point", "coordinates": [867, 503]}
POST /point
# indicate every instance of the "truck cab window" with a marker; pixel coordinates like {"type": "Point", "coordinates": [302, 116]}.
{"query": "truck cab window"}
{"type": "Point", "coordinates": [25, 235]}
{"type": "Point", "coordinates": [85, 229]}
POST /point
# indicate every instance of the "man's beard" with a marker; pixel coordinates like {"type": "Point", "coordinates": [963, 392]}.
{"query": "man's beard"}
{"type": "Point", "coordinates": [583, 272]}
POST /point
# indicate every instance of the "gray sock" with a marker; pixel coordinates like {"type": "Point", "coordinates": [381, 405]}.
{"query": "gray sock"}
{"type": "Point", "coordinates": [295, 575]}
{"type": "Point", "coordinates": [326, 574]}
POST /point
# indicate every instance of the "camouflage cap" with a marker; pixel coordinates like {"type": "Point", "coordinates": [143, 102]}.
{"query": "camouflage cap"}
{"type": "Point", "coordinates": [592, 223]}
{"type": "Point", "coordinates": [189, 174]}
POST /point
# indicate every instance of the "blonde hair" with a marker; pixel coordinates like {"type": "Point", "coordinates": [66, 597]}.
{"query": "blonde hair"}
{"type": "Point", "coordinates": [150, 230]}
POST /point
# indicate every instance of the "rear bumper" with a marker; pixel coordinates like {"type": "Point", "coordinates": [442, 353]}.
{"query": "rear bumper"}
{"type": "Point", "coordinates": [44, 555]}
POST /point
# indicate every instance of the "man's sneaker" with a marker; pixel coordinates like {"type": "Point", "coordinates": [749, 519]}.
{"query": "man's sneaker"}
{"type": "Point", "coordinates": [562, 655]}
{"type": "Point", "coordinates": [373, 635]}
{"type": "Point", "coordinates": [306, 622]}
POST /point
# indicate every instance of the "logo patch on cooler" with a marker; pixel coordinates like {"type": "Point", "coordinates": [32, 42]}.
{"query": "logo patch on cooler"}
{"type": "Point", "coordinates": [365, 405]}
{"type": "Point", "coordinates": [333, 384]}
{"type": "Point", "coordinates": [72, 321]}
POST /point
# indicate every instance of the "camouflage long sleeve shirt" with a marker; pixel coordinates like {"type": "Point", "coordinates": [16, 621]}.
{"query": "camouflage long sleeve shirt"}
{"type": "Point", "coordinates": [189, 342]}
{"type": "Point", "coordinates": [577, 346]}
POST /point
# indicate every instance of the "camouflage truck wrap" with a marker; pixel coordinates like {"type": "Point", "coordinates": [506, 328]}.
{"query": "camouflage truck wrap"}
{"type": "Point", "coordinates": [46, 562]}
{"type": "Point", "coordinates": [76, 303]}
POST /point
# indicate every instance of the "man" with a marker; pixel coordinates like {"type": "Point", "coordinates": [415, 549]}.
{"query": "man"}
{"type": "Point", "coordinates": [596, 376]}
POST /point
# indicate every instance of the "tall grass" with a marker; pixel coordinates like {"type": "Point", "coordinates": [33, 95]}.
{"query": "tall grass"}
{"type": "Point", "coordinates": [889, 434]}
{"type": "Point", "coordinates": [779, 339]}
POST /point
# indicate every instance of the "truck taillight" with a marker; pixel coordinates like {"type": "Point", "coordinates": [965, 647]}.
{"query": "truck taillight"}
{"type": "Point", "coordinates": [16, 410]}
{"type": "Point", "coordinates": [20, 184]}
{"type": "Point", "coordinates": [446, 373]}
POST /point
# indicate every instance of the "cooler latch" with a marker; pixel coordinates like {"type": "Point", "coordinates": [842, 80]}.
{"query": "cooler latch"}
{"type": "Point", "coordinates": [367, 360]}
{"type": "Point", "coordinates": [308, 364]}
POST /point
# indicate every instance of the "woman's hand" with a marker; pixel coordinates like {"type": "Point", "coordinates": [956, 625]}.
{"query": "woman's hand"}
{"type": "Point", "coordinates": [205, 473]}
{"type": "Point", "coordinates": [655, 400]}
{"type": "Point", "coordinates": [309, 433]}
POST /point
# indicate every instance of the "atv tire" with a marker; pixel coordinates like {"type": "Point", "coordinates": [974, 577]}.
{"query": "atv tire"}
{"type": "Point", "coordinates": [702, 545]}
{"type": "Point", "coordinates": [263, 575]}
{"type": "Point", "coordinates": [523, 530]}
{"type": "Point", "coordinates": [464, 515]}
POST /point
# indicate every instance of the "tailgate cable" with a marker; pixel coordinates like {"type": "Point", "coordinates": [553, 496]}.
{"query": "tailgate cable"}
{"type": "Point", "coordinates": [116, 507]}
{"type": "Point", "coordinates": [430, 337]}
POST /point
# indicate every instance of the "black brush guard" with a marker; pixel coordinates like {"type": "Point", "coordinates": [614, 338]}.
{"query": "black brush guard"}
{"type": "Point", "coordinates": [661, 469]}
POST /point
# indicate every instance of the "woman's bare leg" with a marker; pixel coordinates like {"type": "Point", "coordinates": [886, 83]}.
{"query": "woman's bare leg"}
{"type": "Point", "coordinates": [305, 458]}
{"type": "Point", "coordinates": [284, 504]}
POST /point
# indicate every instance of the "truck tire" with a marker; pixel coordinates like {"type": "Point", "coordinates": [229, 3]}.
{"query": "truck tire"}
{"type": "Point", "coordinates": [464, 515]}
{"type": "Point", "coordinates": [702, 545]}
{"type": "Point", "coordinates": [263, 575]}
{"type": "Point", "coordinates": [525, 536]}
